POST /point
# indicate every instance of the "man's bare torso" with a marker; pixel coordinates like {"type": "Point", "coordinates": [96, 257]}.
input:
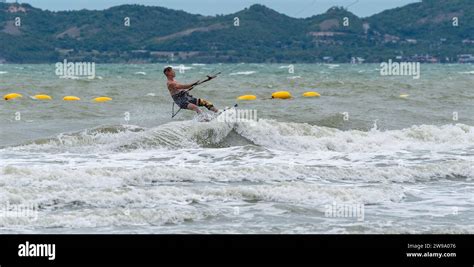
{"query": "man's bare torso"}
{"type": "Point", "coordinates": [173, 87]}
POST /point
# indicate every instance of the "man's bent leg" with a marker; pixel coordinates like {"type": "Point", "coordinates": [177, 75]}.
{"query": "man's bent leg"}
{"type": "Point", "coordinates": [207, 104]}
{"type": "Point", "coordinates": [194, 107]}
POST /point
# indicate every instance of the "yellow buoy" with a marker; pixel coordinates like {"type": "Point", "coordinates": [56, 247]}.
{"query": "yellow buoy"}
{"type": "Point", "coordinates": [404, 96]}
{"type": "Point", "coordinates": [247, 97]}
{"type": "Point", "coordinates": [281, 95]}
{"type": "Point", "coordinates": [311, 94]}
{"type": "Point", "coordinates": [42, 97]}
{"type": "Point", "coordinates": [12, 96]}
{"type": "Point", "coordinates": [102, 99]}
{"type": "Point", "coordinates": [71, 98]}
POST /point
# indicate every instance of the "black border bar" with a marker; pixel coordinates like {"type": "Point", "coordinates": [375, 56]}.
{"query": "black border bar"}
{"type": "Point", "coordinates": [348, 250]}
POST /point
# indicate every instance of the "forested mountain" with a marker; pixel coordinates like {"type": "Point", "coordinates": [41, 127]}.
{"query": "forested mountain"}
{"type": "Point", "coordinates": [432, 30]}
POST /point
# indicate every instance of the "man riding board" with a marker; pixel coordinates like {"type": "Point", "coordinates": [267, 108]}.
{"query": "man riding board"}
{"type": "Point", "coordinates": [180, 93]}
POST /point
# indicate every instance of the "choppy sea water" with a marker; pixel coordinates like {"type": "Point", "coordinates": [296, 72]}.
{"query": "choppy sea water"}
{"type": "Point", "coordinates": [404, 164]}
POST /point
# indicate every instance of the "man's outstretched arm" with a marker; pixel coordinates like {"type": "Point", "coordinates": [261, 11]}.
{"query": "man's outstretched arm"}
{"type": "Point", "coordinates": [185, 86]}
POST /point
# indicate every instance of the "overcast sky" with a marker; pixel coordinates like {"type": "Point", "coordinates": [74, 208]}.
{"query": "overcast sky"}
{"type": "Point", "coordinates": [293, 8]}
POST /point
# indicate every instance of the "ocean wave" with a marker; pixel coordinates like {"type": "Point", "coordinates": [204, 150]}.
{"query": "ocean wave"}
{"type": "Point", "coordinates": [231, 165]}
{"type": "Point", "coordinates": [242, 73]}
{"type": "Point", "coordinates": [72, 203]}
{"type": "Point", "coordinates": [124, 175]}
{"type": "Point", "coordinates": [294, 77]}
{"type": "Point", "coordinates": [181, 67]}
{"type": "Point", "coordinates": [271, 134]}
{"type": "Point", "coordinates": [304, 137]}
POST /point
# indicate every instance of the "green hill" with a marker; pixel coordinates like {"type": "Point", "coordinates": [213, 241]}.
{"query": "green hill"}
{"type": "Point", "coordinates": [158, 34]}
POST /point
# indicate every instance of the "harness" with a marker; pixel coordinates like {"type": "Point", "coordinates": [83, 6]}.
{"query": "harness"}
{"type": "Point", "coordinates": [182, 94]}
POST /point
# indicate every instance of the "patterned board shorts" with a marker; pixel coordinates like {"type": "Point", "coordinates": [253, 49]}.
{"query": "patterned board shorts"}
{"type": "Point", "coordinates": [182, 99]}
